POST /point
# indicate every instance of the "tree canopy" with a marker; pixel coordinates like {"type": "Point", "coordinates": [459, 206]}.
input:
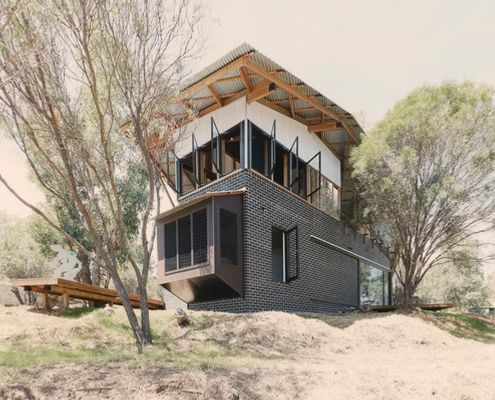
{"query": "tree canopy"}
{"type": "Point", "coordinates": [426, 176]}
{"type": "Point", "coordinates": [99, 78]}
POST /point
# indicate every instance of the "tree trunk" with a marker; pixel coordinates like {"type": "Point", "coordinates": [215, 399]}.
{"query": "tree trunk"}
{"type": "Point", "coordinates": [96, 274]}
{"type": "Point", "coordinates": [408, 295]}
{"type": "Point", "coordinates": [85, 269]}
{"type": "Point", "coordinates": [140, 336]}
{"type": "Point", "coordinates": [145, 313]}
{"type": "Point", "coordinates": [17, 295]}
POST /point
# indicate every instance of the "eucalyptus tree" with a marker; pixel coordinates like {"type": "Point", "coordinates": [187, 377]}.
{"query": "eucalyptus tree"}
{"type": "Point", "coordinates": [426, 175]}
{"type": "Point", "coordinates": [101, 76]}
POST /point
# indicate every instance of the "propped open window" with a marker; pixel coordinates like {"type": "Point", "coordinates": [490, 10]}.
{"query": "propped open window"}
{"type": "Point", "coordinates": [195, 161]}
{"type": "Point", "coordinates": [186, 171]}
{"type": "Point", "coordinates": [231, 149]}
{"type": "Point", "coordinates": [294, 171]}
{"type": "Point", "coordinates": [292, 237]}
{"type": "Point", "coordinates": [170, 167]}
{"type": "Point", "coordinates": [285, 255]}
{"type": "Point", "coordinates": [313, 167]}
{"type": "Point", "coordinates": [215, 149]}
{"type": "Point", "coordinates": [273, 149]}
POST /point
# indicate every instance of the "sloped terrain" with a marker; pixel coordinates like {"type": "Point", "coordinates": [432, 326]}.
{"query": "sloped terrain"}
{"type": "Point", "coordinates": [89, 354]}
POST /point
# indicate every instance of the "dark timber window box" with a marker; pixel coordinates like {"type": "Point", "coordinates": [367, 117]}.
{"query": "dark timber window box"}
{"type": "Point", "coordinates": [200, 249]}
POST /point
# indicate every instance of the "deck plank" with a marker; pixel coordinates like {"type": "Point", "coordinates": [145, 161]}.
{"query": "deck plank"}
{"type": "Point", "coordinates": [82, 291]}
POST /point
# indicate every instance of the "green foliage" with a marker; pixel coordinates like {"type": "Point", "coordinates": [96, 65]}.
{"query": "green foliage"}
{"type": "Point", "coordinates": [460, 281]}
{"type": "Point", "coordinates": [77, 312]}
{"type": "Point", "coordinates": [133, 191]}
{"type": "Point", "coordinates": [463, 325]}
{"type": "Point", "coordinates": [20, 255]}
{"type": "Point", "coordinates": [426, 175]}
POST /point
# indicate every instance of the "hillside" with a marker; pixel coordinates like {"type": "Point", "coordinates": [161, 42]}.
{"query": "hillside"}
{"type": "Point", "coordinates": [89, 354]}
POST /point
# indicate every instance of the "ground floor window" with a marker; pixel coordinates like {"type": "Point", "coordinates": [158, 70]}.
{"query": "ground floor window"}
{"type": "Point", "coordinates": [285, 258]}
{"type": "Point", "coordinates": [374, 285]}
{"type": "Point", "coordinates": [186, 241]}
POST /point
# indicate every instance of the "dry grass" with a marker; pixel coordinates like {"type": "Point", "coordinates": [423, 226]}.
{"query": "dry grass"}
{"type": "Point", "coordinates": [90, 354]}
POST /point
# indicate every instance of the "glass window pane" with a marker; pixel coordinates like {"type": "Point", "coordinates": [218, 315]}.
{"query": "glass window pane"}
{"type": "Point", "coordinates": [228, 236]}
{"type": "Point", "coordinates": [184, 230]}
{"type": "Point", "coordinates": [278, 255]}
{"type": "Point", "coordinates": [259, 150]}
{"type": "Point", "coordinates": [170, 247]}
{"type": "Point", "coordinates": [200, 236]}
{"type": "Point", "coordinates": [231, 158]}
{"type": "Point", "coordinates": [372, 285]}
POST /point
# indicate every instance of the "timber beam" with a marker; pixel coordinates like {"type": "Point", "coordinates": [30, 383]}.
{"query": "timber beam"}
{"type": "Point", "coordinates": [260, 91]}
{"type": "Point", "coordinates": [310, 100]}
{"type": "Point", "coordinates": [215, 95]}
{"type": "Point", "coordinates": [245, 78]}
{"type": "Point", "coordinates": [325, 127]}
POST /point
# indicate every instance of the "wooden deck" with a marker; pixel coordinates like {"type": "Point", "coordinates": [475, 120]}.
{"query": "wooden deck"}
{"type": "Point", "coordinates": [67, 288]}
{"type": "Point", "coordinates": [426, 307]}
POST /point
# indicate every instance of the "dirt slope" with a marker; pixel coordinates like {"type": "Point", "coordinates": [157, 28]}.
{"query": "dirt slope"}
{"type": "Point", "coordinates": [268, 355]}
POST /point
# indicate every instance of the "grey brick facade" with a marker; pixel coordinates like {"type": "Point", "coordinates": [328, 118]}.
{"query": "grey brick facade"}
{"type": "Point", "coordinates": [328, 279]}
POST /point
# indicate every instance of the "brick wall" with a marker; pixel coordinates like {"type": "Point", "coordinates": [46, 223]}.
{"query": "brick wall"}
{"type": "Point", "coordinates": [328, 279]}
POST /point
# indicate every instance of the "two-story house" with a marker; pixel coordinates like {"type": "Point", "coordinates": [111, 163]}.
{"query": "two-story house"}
{"type": "Point", "coordinates": [262, 182]}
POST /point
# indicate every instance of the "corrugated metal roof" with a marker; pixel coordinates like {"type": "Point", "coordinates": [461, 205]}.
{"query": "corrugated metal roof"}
{"type": "Point", "coordinates": [227, 85]}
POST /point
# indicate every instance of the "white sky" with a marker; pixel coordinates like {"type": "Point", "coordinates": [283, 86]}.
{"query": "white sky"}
{"type": "Point", "coordinates": [364, 55]}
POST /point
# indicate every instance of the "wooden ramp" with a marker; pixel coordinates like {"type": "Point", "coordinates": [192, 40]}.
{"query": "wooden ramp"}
{"type": "Point", "coordinates": [428, 307]}
{"type": "Point", "coordinates": [68, 288]}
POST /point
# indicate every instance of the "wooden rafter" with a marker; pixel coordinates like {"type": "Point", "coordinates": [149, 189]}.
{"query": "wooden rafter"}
{"type": "Point", "coordinates": [225, 102]}
{"type": "Point", "coordinates": [325, 127]}
{"type": "Point", "coordinates": [215, 94]}
{"type": "Point", "coordinates": [260, 91]}
{"type": "Point", "coordinates": [292, 108]}
{"type": "Point", "coordinates": [296, 93]}
{"type": "Point", "coordinates": [212, 78]}
{"type": "Point", "coordinates": [281, 110]}
{"type": "Point", "coordinates": [245, 78]}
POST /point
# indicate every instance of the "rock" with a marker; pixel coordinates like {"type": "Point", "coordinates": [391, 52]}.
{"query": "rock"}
{"type": "Point", "coordinates": [181, 316]}
{"type": "Point", "coordinates": [16, 392]}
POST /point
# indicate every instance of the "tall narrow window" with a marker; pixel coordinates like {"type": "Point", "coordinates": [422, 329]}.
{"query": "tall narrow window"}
{"type": "Point", "coordinates": [184, 233]}
{"type": "Point", "coordinates": [170, 246]}
{"type": "Point", "coordinates": [279, 255]}
{"type": "Point", "coordinates": [285, 254]}
{"type": "Point", "coordinates": [259, 150]}
{"type": "Point", "coordinates": [228, 236]}
{"type": "Point", "coordinates": [200, 235]}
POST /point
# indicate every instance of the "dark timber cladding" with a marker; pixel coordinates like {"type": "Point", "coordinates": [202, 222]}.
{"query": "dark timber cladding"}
{"type": "Point", "coordinates": [200, 248]}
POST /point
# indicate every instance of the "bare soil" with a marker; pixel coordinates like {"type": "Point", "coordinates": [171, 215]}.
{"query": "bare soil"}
{"type": "Point", "coordinates": [269, 355]}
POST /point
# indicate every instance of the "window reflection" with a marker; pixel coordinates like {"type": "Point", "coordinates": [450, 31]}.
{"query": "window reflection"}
{"type": "Point", "coordinates": [373, 285]}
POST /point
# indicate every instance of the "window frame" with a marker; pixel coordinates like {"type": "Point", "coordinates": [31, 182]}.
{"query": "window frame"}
{"type": "Point", "coordinates": [221, 258]}
{"type": "Point", "coordinates": [286, 278]}
{"type": "Point", "coordinates": [190, 215]}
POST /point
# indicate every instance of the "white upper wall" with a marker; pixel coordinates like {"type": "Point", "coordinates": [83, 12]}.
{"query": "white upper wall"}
{"type": "Point", "coordinates": [287, 130]}
{"type": "Point", "coordinates": [225, 118]}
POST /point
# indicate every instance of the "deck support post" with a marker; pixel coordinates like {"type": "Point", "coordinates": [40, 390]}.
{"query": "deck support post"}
{"type": "Point", "coordinates": [66, 301]}
{"type": "Point", "coordinates": [46, 300]}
